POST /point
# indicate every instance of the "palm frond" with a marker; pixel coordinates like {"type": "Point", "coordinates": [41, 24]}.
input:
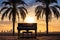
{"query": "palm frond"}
{"type": "Point", "coordinates": [3, 15]}
{"type": "Point", "coordinates": [10, 15]}
{"type": "Point", "coordinates": [3, 9]}
{"type": "Point", "coordinates": [38, 0]}
{"type": "Point", "coordinates": [23, 14]}
{"type": "Point", "coordinates": [39, 15]}
{"type": "Point", "coordinates": [6, 3]}
{"type": "Point", "coordinates": [53, 1]}
{"type": "Point", "coordinates": [44, 12]}
{"type": "Point", "coordinates": [47, 1]}
{"type": "Point", "coordinates": [17, 14]}
{"type": "Point", "coordinates": [25, 10]}
{"type": "Point", "coordinates": [22, 2]}
{"type": "Point", "coordinates": [50, 1]}
{"type": "Point", "coordinates": [6, 12]}
{"type": "Point", "coordinates": [57, 6]}
{"type": "Point", "coordinates": [38, 10]}
{"type": "Point", "coordinates": [56, 12]}
{"type": "Point", "coordinates": [49, 14]}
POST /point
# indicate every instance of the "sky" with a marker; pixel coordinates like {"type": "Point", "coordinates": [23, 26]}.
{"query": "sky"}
{"type": "Point", "coordinates": [54, 25]}
{"type": "Point", "coordinates": [29, 2]}
{"type": "Point", "coordinates": [59, 2]}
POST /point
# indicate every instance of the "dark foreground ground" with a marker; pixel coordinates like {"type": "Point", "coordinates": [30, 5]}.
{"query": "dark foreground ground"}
{"type": "Point", "coordinates": [39, 36]}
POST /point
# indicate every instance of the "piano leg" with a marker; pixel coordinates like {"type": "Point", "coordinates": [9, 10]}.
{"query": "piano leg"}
{"type": "Point", "coordinates": [35, 34]}
{"type": "Point", "coordinates": [18, 34]}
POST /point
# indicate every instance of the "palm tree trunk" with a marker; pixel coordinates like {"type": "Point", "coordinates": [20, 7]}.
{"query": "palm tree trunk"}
{"type": "Point", "coordinates": [46, 25]}
{"type": "Point", "coordinates": [14, 18]}
{"type": "Point", "coordinates": [47, 8]}
{"type": "Point", "coordinates": [13, 27]}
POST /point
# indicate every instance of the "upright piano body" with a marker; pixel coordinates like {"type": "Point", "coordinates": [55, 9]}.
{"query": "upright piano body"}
{"type": "Point", "coordinates": [27, 27]}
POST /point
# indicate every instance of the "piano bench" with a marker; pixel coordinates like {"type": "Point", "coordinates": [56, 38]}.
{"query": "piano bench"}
{"type": "Point", "coordinates": [27, 34]}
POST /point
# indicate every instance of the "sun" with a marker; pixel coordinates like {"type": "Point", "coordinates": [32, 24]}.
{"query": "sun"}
{"type": "Point", "coordinates": [30, 19]}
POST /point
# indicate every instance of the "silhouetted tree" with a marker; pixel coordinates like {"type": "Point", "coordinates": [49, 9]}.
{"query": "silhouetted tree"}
{"type": "Point", "coordinates": [46, 9]}
{"type": "Point", "coordinates": [13, 11]}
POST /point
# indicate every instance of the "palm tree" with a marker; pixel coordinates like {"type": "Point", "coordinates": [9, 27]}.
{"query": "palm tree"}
{"type": "Point", "coordinates": [46, 9]}
{"type": "Point", "coordinates": [13, 11]}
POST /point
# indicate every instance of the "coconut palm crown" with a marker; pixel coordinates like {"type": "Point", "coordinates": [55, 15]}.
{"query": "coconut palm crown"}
{"type": "Point", "coordinates": [12, 11]}
{"type": "Point", "coordinates": [46, 9]}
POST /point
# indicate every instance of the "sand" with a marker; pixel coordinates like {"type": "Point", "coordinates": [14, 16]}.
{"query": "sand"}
{"type": "Point", "coordinates": [40, 38]}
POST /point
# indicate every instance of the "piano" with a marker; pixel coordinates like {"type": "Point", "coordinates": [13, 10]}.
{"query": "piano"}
{"type": "Point", "coordinates": [27, 27]}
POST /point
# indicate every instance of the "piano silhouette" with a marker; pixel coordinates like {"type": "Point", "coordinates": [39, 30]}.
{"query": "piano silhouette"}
{"type": "Point", "coordinates": [27, 27]}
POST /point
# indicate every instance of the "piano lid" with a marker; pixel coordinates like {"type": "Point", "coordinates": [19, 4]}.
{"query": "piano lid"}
{"type": "Point", "coordinates": [27, 24]}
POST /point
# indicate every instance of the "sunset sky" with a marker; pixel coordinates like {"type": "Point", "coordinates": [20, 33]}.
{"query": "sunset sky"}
{"type": "Point", "coordinates": [54, 24]}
